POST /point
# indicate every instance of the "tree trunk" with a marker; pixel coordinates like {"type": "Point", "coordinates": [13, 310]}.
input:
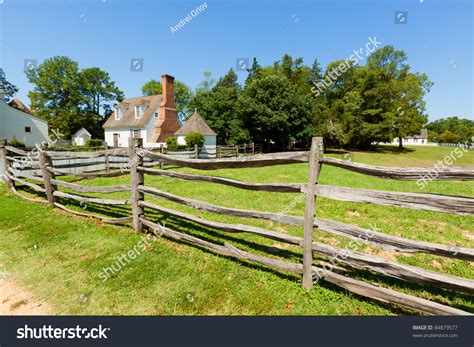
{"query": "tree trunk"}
{"type": "Point", "coordinates": [400, 143]}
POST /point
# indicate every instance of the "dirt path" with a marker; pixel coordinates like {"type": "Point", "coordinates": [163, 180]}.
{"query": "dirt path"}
{"type": "Point", "coordinates": [14, 300]}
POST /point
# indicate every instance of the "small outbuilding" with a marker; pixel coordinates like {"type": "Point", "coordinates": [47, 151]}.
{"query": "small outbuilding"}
{"type": "Point", "coordinates": [197, 124]}
{"type": "Point", "coordinates": [81, 137]}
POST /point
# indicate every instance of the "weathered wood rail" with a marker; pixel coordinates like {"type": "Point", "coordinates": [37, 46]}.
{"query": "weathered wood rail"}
{"type": "Point", "coordinates": [39, 173]}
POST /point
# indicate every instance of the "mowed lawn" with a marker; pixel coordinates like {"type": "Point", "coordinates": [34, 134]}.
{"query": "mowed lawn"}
{"type": "Point", "coordinates": [59, 257]}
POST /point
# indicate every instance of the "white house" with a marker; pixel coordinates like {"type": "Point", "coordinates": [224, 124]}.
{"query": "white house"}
{"type": "Point", "coordinates": [197, 124]}
{"type": "Point", "coordinates": [421, 139]}
{"type": "Point", "coordinates": [153, 118]}
{"type": "Point", "coordinates": [17, 121]}
{"type": "Point", "coordinates": [81, 137]}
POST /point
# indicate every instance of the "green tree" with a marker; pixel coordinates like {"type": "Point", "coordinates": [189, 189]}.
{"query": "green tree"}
{"type": "Point", "coordinates": [57, 96]}
{"type": "Point", "coordinates": [219, 108]}
{"type": "Point", "coordinates": [463, 128]}
{"type": "Point", "coordinates": [152, 87]}
{"type": "Point", "coordinates": [402, 91]}
{"type": "Point", "coordinates": [274, 112]}
{"type": "Point", "coordinates": [99, 94]}
{"type": "Point", "coordinates": [448, 137]}
{"type": "Point", "coordinates": [254, 70]}
{"type": "Point", "coordinates": [69, 98]}
{"type": "Point", "coordinates": [9, 89]}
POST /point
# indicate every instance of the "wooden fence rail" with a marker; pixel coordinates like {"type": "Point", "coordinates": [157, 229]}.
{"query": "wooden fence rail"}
{"type": "Point", "coordinates": [137, 162]}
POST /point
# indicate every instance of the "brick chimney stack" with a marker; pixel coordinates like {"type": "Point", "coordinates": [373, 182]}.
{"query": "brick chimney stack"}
{"type": "Point", "coordinates": [167, 83]}
{"type": "Point", "coordinates": [167, 111]}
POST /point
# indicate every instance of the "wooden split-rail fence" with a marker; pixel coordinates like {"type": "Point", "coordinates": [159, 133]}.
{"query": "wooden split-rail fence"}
{"type": "Point", "coordinates": [41, 174]}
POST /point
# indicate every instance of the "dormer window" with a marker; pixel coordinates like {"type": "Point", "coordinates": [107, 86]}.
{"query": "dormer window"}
{"type": "Point", "coordinates": [157, 115]}
{"type": "Point", "coordinates": [117, 113]}
{"type": "Point", "coordinates": [138, 111]}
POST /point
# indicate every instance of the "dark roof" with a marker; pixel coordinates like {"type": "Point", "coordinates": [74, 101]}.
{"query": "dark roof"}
{"type": "Point", "coordinates": [128, 119]}
{"type": "Point", "coordinates": [423, 135]}
{"type": "Point", "coordinates": [197, 124]}
{"type": "Point", "coordinates": [15, 103]}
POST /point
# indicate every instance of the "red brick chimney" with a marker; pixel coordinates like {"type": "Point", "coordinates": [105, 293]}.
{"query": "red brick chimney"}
{"type": "Point", "coordinates": [168, 112]}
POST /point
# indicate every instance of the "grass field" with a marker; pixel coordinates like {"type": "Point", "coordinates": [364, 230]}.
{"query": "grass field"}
{"type": "Point", "coordinates": [59, 257]}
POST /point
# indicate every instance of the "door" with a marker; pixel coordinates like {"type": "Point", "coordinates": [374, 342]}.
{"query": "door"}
{"type": "Point", "coordinates": [116, 138]}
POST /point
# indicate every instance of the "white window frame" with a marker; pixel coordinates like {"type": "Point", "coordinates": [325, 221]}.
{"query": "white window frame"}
{"type": "Point", "coordinates": [117, 113]}
{"type": "Point", "coordinates": [139, 113]}
{"type": "Point", "coordinates": [135, 131]}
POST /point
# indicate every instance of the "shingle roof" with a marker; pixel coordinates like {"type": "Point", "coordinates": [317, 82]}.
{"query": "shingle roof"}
{"type": "Point", "coordinates": [195, 123]}
{"type": "Point", "coordinates": [423, 135]}
{"type": "Point", "coordinates": [16, 103]}
{"type": "Point", "coordinates": [128, 119]}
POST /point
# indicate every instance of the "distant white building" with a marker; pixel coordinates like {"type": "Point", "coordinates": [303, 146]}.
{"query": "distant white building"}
{"type": "Point", "coordinates": [17, 121]}
{"type": "Point", "coordinates": [420, 139]}
{"type": "Point", "coordinates": [153, 118]}
{"type": "Point", "coordinates": [81, 137]}
{"type": "Point", "coordinates": [197, 124]}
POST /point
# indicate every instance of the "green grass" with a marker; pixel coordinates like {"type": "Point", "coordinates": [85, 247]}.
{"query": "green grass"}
{"type": "Point", "coordinates": [59, 257]}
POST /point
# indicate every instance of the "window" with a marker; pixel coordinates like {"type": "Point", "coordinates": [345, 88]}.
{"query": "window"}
{"type": "Point", "coordinates": [27, 129]}
{"type": "Point", "coordinates": [117, 113]}
{"type": "Point", "coordinates": [138, 111]}
{"type": "Point", "coordinates": [135, 133]}
{"type": "Point", "coordinates": [157, 115]}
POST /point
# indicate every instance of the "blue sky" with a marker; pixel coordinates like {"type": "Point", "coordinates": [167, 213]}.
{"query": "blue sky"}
{"type": "Point", "coordinates": [437, 36]}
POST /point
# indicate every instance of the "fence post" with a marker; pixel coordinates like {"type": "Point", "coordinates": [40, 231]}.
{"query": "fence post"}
{"type": "Point", "coordinates": [106, 158]}
{"type": "Point", "coordinates": [315, 155]}
{"type": "Point", "coordinates": [45, 161]}
{"type": "Point", "coordinates": [162, 151]}
{"type": "Point", "coordinates": [4, 161]}
{"type": "Point", "coordinates": [135, 145]}
{"type": "Point", "coordinates": [253, 147]}
{"type": "Point", "coordinates": [196, 151]}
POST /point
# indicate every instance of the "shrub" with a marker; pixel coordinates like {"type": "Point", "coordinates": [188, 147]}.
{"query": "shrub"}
{"type": "Point", "coordinates": [94, 143]}
{"type": "Point", "coordinates": [171, 141]}
{"type": "Point", "coordinates": [16, 143]}
{"type": "Point", "coordinates": [193, 139]}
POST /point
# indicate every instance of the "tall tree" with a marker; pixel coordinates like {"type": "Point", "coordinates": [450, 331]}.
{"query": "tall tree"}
{"type": "Point", "coordinates": [182, 96]}
{"type": "Point", "coordinates": [8, 88]}
{"type": "Point", "coordinates": [152, 87]}
{"type": "Point", "coordinates": [254, 70]}
{"type": "Point", "coordinates": [402, 91]}
{"type": "Point", "coordinates": [57, 95]}
{"type": "Point", "coordinates": [99, 93]}
{"type": "Point", "coordinates": [69, 98]}
{"type": "Point", "coordinates": [219, 108]}
{"type": "Point", "coordinates": [274, 112]}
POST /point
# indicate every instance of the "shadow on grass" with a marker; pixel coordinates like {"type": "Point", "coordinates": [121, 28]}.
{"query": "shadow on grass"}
{"type": "Point", "coordinates": [214, 236]}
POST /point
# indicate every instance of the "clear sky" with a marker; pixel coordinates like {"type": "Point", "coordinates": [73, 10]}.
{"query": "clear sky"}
{"type": "Point", "coordinates": [437, 36]}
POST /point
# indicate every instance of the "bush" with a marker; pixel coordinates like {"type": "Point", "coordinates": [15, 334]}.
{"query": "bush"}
{"type": "Point", "coordinates": [94, 143]}
{"type": "Point", "coordinates": [193, 139]}
{"type": "Point", "coordinates": [16, 143]}
{"type": "Point", "coordinates": [171, 141]}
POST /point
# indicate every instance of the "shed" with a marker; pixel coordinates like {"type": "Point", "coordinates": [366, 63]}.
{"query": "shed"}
{"type": "Point", "coordinates": [197, 124]}
{"type": "Point", "coordinates": [81, 137]}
